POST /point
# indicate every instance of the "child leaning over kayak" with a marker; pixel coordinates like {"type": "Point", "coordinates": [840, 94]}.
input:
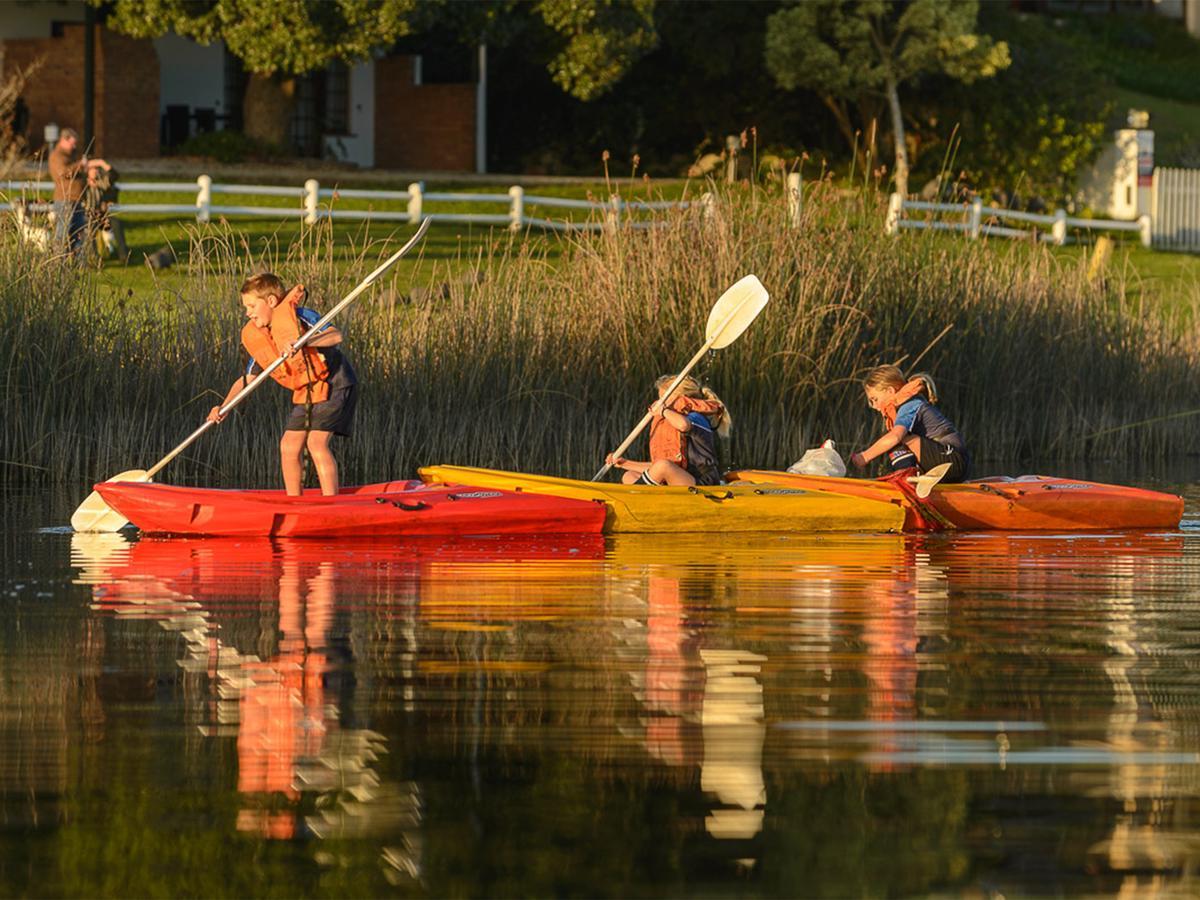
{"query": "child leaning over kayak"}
{"type": "Point", "coordinates": [917, 432]}
{"type": "Point", "coordinates": [323, 384]}
{"type": "Point", "coordinates": [683, 437]}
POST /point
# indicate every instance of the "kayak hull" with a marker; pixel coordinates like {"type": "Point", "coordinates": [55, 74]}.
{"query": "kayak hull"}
{"type": "Point", "coordinates": [390, 509]}
{"type": "Point", "coordinates": [1030, 503]}
{"type": "Point", "coordinates": [634, 508]}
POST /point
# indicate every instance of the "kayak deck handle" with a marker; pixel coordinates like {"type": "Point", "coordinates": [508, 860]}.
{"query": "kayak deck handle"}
{"type": "Point", "coordinates": [716, 498]}
{"type": "Point", "coordinates": [400, 504]}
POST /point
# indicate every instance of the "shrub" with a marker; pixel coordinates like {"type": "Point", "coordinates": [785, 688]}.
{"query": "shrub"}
{"type": "Point", "coordinates": [230, 147]}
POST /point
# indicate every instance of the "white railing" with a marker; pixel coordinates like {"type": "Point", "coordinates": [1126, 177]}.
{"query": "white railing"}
{"type": "Point", "coordinates": [974, 221]}
{"type": "Point", "coordinates": [309, 208]}
{"type": "Point", "coordinates": [1176, 205]}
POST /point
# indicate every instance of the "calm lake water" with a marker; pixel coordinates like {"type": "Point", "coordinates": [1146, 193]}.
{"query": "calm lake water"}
{"type": "Point", "coordinates": [749, 715]}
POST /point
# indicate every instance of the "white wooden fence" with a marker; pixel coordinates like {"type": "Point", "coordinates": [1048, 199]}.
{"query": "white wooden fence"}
{"type": "Point", "coordinates": [973, 219]}
{"type": "Point", "coordinates": [308, 206]}
{"type": "Point", "coordinates": [1176, 208]}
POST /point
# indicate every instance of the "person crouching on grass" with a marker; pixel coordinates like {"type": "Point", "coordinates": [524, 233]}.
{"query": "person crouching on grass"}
{"type": "Point", "coordinates": [323, 384]}
{"type": "Point", "coordinates": [917, 433]}
{"type": "Point", "coordinates": [683, 437]}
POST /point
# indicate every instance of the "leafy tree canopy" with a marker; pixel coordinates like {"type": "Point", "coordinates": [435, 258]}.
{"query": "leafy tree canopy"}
{"type": "Point", "coordinates": [273, 37]}
{"type": "Point", "coordinates": [844, 49]}
{"type": "Point", "coordinates": [600, 39]}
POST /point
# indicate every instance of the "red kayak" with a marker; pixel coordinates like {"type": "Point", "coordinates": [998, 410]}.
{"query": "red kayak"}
{"type": "Point", "coordinates": [390, 509]}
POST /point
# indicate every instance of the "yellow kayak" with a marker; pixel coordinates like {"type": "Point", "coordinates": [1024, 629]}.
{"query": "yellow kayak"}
{"type": "Point", "coordinates": [725, 508]}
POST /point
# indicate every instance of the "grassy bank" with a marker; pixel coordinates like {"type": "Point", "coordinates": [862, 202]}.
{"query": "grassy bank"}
{"type": "Point", "coordinates": [544, 364]}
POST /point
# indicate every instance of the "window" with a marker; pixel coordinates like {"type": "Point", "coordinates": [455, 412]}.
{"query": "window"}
{"type": "Point", "coordinates": [336, 118]}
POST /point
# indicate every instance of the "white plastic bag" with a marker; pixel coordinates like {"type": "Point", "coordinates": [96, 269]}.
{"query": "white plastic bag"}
{"type": "Point", "coordinates": [823, 460]}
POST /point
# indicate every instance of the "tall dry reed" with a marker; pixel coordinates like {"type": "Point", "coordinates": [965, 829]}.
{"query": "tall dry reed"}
{"type": "Point", "coordinates": [543, 360]}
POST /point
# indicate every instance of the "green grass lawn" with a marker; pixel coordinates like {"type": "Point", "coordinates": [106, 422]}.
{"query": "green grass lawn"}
{"type": "Point", "coordinates": [1170, 281]}
{"type": "Point", "coordinates": [448, 248]}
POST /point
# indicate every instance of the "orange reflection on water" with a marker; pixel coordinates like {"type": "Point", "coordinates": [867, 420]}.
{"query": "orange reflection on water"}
{"type": "Point", "coordinates": [715, 662]}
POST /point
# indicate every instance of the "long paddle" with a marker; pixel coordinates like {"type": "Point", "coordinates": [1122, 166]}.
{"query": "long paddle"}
{"type": "Point", "coordinates": [94, 514]}
{"type": "Point", "coordinates": [731, 315]}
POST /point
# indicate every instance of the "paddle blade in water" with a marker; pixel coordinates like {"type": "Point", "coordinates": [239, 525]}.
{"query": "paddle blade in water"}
{"type": "Point", "coordinates": [94, 514]}
{"type": "Point", "coordinates": [734, 311]}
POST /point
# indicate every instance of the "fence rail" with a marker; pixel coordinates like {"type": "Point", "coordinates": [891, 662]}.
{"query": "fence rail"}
{"type": "Point", "coordinates": [1176, 208]}
{"type": "Point", "coordinates": [975, 216]}
{"type": "Point", "coordinates": [602, 214]}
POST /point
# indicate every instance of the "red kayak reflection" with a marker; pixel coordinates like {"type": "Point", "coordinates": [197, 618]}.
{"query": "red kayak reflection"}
{"type": "Point", "coordinates": [273, 691]}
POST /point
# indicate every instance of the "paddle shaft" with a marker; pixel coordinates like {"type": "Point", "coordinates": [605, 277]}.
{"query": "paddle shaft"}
{"type": "Point", "coordinates": [646, 418]}
{"type": "Point", "coordinates": [304, 339]}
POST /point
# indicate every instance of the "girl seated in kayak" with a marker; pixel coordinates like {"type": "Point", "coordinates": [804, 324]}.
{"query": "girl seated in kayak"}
{"type": "Point", "coordinates": [323, 384]}
{"type": "Point", "coordinates": [683, 437]}
{"type": "Point", "coordinates": [917, 432]}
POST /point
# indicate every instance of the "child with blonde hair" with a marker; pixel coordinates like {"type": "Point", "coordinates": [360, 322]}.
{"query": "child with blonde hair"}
{"type": "Point", "coordinates": [917, 433]}
{"type": "Point", "coordinates": [323, 384]}
{"type": "Point", "coordinates": [683, 437]}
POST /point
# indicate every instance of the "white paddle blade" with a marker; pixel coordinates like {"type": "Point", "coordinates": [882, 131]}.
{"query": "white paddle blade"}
{"type": "Point", "coordinates": [927, 482]}
{"type": "Point", "coordinates": [94, 514]}
{"type": "Point", "coordinates": [734, 311]}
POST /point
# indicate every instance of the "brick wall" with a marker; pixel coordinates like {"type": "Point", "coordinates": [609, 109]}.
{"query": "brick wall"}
{"type": "Point", "coordinates": [426, 127]}
{"type": "Point", "coordinates": [125, 110]}
{"type": "Point", "coordinates": [127, 86]}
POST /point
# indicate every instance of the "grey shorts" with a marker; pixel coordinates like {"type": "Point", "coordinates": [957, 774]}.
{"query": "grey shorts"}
{"type": "Point", "coordinates": [336, 414]}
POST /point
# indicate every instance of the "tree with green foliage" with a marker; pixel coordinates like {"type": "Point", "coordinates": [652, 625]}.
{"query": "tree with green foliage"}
{"type": "Point", "coordinates": [1032, 129]}
{"type": "Point", "coordinates": [604, 39]}
{"type": "Point", "coordinates": [278, 40]}
{"type": "Point", "coordinates": [851, 49]}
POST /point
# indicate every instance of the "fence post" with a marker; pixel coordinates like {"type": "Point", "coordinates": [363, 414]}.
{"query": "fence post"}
{"type": "Point", "coordinates": [516, 207]}
{"type": "Point", "coordinates": [311, 189]}
{"type": "Point", "coordinates": [794, 199]}
{"type": "Point", "coordinates": [612, 216]}
{"type": "Point", "coordinates": [1144, 229]}
{"type": "Point", "coordinates": [976, 218]}
{"type": "Point", "coordinates": [895, 211]}
{"type": "Point", "coordinates": [707, 205]}
{"type": "Point", "coordinates": [1059, 229]}
{"type": "Point", "coordinates": [203, 198]}
{"type": "Point", "coordinates": [414, 203]}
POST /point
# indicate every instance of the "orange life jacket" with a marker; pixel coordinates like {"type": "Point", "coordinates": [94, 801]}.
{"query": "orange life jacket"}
{"type": "Point", "coordinates": [305, 374]}
{"type": "Point", "coordinates": [911, 389]}
{"type": "Point", "coordinates": [667, 441]}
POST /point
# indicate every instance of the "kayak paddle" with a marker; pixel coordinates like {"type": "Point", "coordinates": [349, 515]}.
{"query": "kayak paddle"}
{"type": "Point", "coordinates": [927, 482]}
{"type": "Point", "coordinates": [731, 315]}
{"type": "Point", "coordinates": [94, 514]}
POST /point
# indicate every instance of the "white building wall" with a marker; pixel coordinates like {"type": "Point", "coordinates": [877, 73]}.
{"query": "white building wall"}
{"type": "Point", "coordinates": [192, 74]}
{"type": "Point", "coordinates": [1118, 185]}
{"type": "Point", "coordinates": [358, 147]}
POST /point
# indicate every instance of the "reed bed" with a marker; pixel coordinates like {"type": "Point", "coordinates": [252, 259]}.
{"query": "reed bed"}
{"type": "Point", "coordinates": [541, 356]}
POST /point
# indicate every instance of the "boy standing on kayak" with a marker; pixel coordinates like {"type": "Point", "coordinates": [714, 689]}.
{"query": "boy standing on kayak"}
{"type": "Point", "coordinates": [323, 384]}
{"type": "Point", "coordinates": [683, 437]}
{"type": "Point", "coordinates": [917, 432]}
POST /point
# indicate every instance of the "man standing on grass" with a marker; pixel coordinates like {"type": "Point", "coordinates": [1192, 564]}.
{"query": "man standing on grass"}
{"type": "Point", "coordinates": [70, 176]}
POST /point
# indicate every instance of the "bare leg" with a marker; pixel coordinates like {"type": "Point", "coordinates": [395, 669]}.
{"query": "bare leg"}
{"type": "Point", "coordinates": [291, 449]}
{"type": "Point", "coordinates": [322, 457]}
{"type": "Point", "coordinates": [666, 472]}
{"type": "Point", "coordinates": [630, 477]}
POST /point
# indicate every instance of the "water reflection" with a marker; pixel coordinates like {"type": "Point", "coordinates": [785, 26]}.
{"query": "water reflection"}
{"type": "Point", "coordinates": [798, 715]}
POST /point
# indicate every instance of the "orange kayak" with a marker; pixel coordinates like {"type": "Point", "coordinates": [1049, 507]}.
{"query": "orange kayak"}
{"type": "Point", "coordinates": [1027, 503]}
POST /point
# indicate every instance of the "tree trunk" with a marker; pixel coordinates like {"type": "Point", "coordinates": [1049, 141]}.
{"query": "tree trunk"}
{"type": "Point", "coordinates": [853, 138]}
{"type": "Point", "coordinates": [267, 108]}
{"type": "Point", "coordinates": [901, 171]}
